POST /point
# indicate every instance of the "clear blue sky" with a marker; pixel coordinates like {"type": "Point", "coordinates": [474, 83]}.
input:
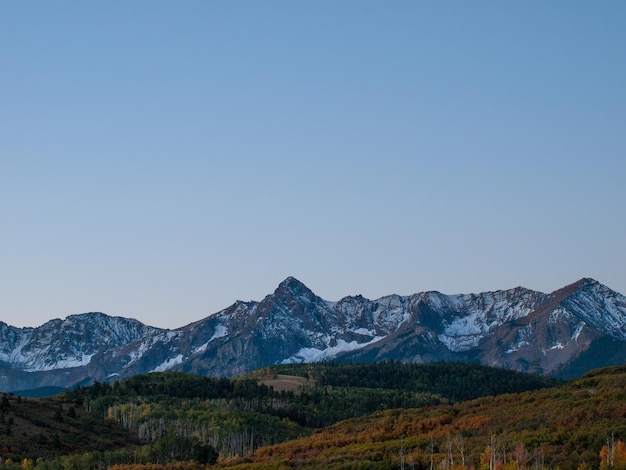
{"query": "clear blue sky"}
{"type": "Point", "coordinates": [160, 160]}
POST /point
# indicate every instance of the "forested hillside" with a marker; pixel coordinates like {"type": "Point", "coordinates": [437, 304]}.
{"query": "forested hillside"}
{"type": "Point", "coordinates": [453, 380]}
{"type": "Point", "coordinates": [172, 417]}
{"type": "Point", "coordinates": [48, 428]}
{"type": "Point", "coordinates": [580, 425]}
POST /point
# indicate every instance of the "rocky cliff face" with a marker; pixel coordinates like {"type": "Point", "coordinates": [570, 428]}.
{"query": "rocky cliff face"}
{"type": "Point", "coordinates": [576, 328]}
{"type": "Point", "coordinates": [515, 329]}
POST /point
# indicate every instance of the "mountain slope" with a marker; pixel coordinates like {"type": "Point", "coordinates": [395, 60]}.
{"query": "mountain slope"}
{"type": "Point", "coordinates": [68, 343]}
{"type": "Point", "coordinates": [50, 427]}
{"type": "Point", "coordinates": [515, 329]}
{"type": "Point", "coordinates": [556, 334]}
{"type": "Point", "coordinates": [60, 352]}
{"type": "Point", "coordinates": [564, 427]}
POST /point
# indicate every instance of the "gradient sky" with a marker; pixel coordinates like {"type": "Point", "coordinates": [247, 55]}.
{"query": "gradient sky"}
{"type": "Point", "coordinates": [160, 160]}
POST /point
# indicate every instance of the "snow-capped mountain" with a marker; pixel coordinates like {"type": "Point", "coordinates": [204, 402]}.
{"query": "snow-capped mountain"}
{"type": "Point", "coordinates": [567, 332]}
{"type": "Point", "coordinates": [69, 343]}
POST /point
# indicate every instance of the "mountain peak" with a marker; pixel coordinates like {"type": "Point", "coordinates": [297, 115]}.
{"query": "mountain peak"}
{"type": "Point", "coordinates": [588, 282]}
{"type": "Point", "coordinates": [292, 285]}
{"type": "Point", "coordinates": [81, 316]}
{"type": "Point", "coordinates": [584, 281]}
{"type": "Point", "coordinates": [587, 286]}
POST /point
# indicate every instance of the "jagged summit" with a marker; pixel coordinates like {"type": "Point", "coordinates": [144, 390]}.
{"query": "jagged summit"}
{"type": "Point", "coordinates": [292, 286]}
{"type": "Point", "coordinates": [571, 330]}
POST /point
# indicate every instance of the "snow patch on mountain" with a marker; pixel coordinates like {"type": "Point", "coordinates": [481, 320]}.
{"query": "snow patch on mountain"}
{"type": "Point", "coordinates": [364, 332]}
{"type": "Point", "coordinates": [167, 365]}
{"type": "Point", "coordinates": [220, 332]}
{"type": "Point", "coordinates": [317, 355]}
{"type": "Point", "coordinates": [477, 315]}
{"type": "Point", "coordinates": [67, 363]}
{"type": "Point", "coordinates": [577, 331]}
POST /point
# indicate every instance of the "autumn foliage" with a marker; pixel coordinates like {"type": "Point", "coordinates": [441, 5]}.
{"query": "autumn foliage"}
{"type": "Point", "coordinates": [178, 421]}
{"type": "Point", "coordinates": [569, 427]}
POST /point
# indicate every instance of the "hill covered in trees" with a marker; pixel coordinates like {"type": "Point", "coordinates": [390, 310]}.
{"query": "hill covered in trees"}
{"type": "Point", "coordinates": [164, 418]}
{"type": "Point", "coordinates": [453, 381]}
{"type": "Point", "coordinates": [580, 425]}
{"type": "Point", "coordinates": [49, 428]}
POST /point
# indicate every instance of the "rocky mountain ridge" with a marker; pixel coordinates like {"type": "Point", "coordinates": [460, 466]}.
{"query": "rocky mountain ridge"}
{"type": "Point", "coordinates": [573, 329]}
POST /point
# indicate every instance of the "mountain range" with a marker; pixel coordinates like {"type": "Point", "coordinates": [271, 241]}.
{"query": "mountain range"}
{"type": "Point", "coordinates": [565, 333]}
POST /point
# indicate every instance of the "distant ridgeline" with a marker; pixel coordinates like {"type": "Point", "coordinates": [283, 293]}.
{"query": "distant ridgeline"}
{"type": "Point", "coordinates": [563, 334]}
